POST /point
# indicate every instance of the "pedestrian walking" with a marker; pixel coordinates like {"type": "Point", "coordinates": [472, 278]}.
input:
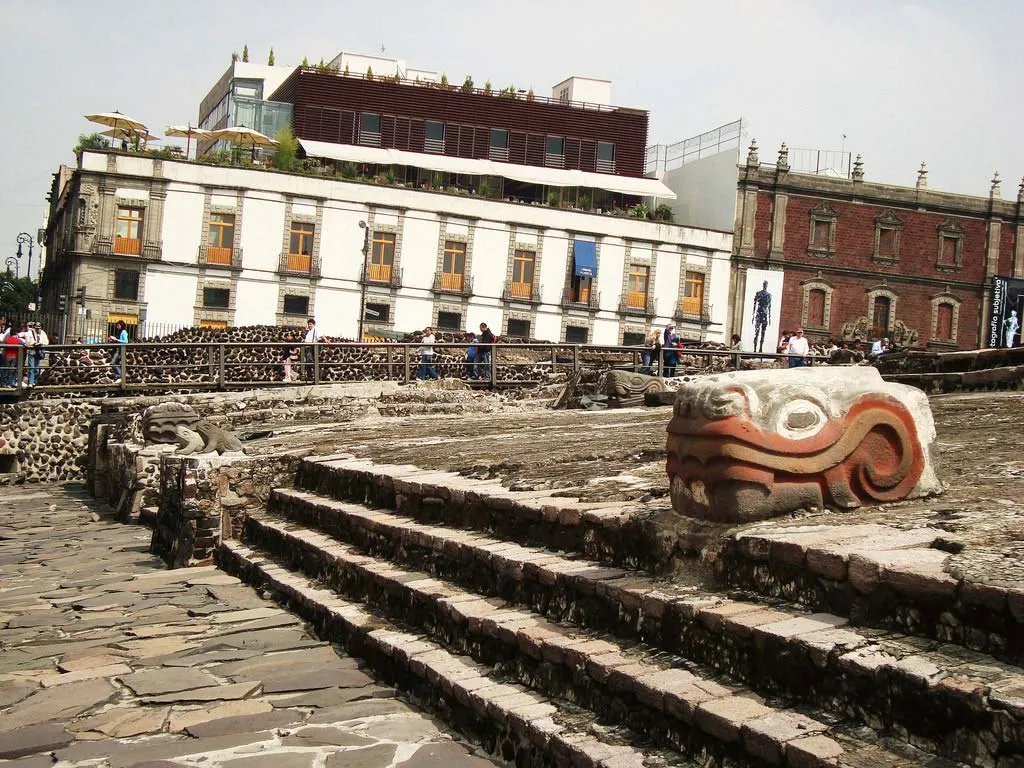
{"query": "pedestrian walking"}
{"type": "Point", "coordinates": [310, 339]}
{"type": "Point", "coordinates": [472, 355]}
{"type": "Point", "coordinates": [486, 341]}
{"type": "Point", "coordinates": [426, 369]}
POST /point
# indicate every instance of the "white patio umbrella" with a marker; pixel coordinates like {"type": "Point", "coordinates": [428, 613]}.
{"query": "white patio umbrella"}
{"type": "Point", "coordinates": [117, 120]}
{"type": "Point", "coordinates": [243, 137]}
{"type": "Point", "coordinates": [186, 132]}
{"type": "Point", "coordinates": [129, 133]}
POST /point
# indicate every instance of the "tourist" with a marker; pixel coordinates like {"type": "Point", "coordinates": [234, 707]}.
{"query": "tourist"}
{"type": "Point", "coordinates": [289, 358]}
{"type": "Point", "coordinates": [12, 343]}
{"type": "Point", "coordinates": [36, 341]}
{"type": "Point", "coordinates": [309, 340]}
{"type": "Point", "coordinates": [798, 349]}
{"type": "Point", "coordinates": [119, 337]}
{"type": "Point", "coordinates": [651, 346]}
{"type": "Point", "coordinates": [5, 328]}
{"type": "Point", "coordinates": [486, 341]}
{"type": "Point", "coordinates": [670, 343]}
{"type": "Point", "coordinates": [735, 344]}
{"type": "Point", "coordinates": [472, 354]}
{"type": "Point", "coordinates": [879, 347]}
{"type": "Point", "coordinates": [830, 347]}
{"type": "Point", "coordinates": [426, 369]}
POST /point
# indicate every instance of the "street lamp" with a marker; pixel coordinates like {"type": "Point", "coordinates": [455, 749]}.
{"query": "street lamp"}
{"type": "Point", "coordinates": [25, 237]}
{"type": "Point", "coordinates": [362, 278]}
{"type": "Point", "coordinates": [12, 261]}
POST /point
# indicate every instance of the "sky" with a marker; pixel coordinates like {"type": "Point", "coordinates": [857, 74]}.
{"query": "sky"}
{"type": "Point", "coordinates": [904, 82]}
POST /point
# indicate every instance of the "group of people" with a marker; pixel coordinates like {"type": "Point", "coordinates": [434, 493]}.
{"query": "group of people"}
{"type": "Point", "coordinates": [478, 354]}
{"type": "Point", "coordinates": [33, 339]}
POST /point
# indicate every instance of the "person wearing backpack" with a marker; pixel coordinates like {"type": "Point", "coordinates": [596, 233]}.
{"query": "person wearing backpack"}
{"type": "Point", "coordinates": [36, 341]}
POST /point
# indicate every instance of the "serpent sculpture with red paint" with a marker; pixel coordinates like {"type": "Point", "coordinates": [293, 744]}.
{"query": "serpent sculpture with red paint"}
{"type": "Point", "coordinates": [758, 444]}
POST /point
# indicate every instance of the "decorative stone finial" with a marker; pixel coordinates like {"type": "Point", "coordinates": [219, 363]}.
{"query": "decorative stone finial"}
{"type": "Point", "coordinates": [1020, 192]}
{"type": "Point", "coordinates": [858, 169]}
{"type": "Point", "coordinates": [997, 186]}
{"type": "Point", "coordinates": [783, 163]}
{"type": "Point", "coordinates": [752, 158]}
{"type": "Point", "coordinates": [922, 176]}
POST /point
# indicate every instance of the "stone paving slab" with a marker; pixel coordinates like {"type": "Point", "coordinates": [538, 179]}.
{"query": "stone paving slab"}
{"type": "Point", "coordinates": [107, 659]}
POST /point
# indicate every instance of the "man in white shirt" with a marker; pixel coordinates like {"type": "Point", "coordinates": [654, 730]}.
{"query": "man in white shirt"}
{"type": "Point", "coordinates": [798, 349]}
{"type": "Point", "coordinates": [311, 338]}
{"type": "Point", "coordinates": [879, 347]}
{"type": "Point", "coordinates": [427, 370]}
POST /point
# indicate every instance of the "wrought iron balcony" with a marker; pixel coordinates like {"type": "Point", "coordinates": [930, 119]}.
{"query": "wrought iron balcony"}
{"type": "Point", "coordinates": [382, 274]}
{"type": "Point", "coordinates": [589, 300]}
{"type": "Point", "coordinates": [641, 304]}
{"type": "Point", "coordinates": [693, 312]}
{"type": "Point", "coordinates": [127, 246]}
{"type": "Point", "coordinates": [446, 282]}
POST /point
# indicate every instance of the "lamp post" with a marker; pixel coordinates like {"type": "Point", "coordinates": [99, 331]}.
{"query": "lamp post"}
{"type": "Point", "coordinates": [362, 278]}
{"type": "Point", "coordinates": [12, 261]}
{"type": "Point", "coordinates": [26, 238]}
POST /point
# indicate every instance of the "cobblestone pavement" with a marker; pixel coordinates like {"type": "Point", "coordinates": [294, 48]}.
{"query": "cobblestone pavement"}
{"type": "Point", "coordinates": [108, 659]}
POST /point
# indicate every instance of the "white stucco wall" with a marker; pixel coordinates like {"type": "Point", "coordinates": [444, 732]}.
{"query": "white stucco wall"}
{"type": "Point", "coordinates": [262, 232]}
{"type": "Point", "coordinates": [170, 297]}
{"type": "Point", "coordinates": [181, 231]}
{"type": "Point", "coordinates": [419, 250]}
{"type": "Point", "coordinates": [256, 302]}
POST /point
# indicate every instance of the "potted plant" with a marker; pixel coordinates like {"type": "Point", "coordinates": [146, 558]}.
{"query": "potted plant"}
{"type": "Point", "coordinates": [487, 88]}
{"type": "Point", "coordinates": [467, 85]}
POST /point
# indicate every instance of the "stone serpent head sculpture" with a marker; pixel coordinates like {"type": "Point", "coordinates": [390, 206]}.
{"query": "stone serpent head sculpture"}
{"type": "Point", "coordinates": [626, 389]}
{"type": "Point", "coordinates": [758, 444]}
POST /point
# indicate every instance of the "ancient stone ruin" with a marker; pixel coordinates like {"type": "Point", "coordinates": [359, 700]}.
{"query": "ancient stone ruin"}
{"type": "Point", "coordinates": [179, 423]}
{"type": "Point", "coordinates": [752, 445]}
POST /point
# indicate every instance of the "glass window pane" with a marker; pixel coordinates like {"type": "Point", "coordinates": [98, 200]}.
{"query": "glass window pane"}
{"type": "Point", "coordinates": [605, 151]}
{"type": "Point", "coordinates": [435, 130]}
{"type": "Point", "coordinates": [555, 145]}
{"type": "Point", "coordinates": [370, 122]}
{"type": "Point", "coordinates": [499, 138]}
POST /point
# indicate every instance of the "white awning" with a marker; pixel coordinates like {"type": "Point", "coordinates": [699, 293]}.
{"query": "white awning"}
{"type": "Point", "coordinates": [552, 177]}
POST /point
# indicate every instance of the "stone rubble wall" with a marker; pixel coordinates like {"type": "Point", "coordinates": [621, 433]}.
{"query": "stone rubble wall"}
{"type": "Point", "coordinates": [970, 370]}
{"type": "Point", "coordinates": [47, 440]}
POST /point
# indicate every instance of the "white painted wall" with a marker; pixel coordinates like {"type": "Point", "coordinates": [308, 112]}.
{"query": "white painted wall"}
{"type": "Point", "coordinates": [337, 310]}
{"type": "Point", "coordinates": [341, 243]}
{"type": "Point", "coordinates": [706, 191]}
{"type": "Point", "coordinates": [666, 282]}
{"type": "Point", "coordinates": [181, 231]}
{"type": "Point", "coordinates": [490, 254]}
{"type": "Point", "coordinates": [262, 232]}
{"type": "Point", "coordinates": [256, 302]}
{"type": "Point", "coordinates": [419, 249]}
{"type": "Point", "coordinates": [170, 296]}
{"type": "Point", "coordinates": [586, 89]}
{"type": "Point", "coordinates": [609, 273]}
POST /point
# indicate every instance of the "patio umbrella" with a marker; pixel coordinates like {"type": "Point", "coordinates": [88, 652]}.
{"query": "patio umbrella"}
{"type": "Point", "coordinates": [116, 120]}
{"type": "Point", "coordinates": [243, 137]}
{"type": "Point", "coordinates": [186, 132]}
{"type": "Point", "coordinates": [128, 134]}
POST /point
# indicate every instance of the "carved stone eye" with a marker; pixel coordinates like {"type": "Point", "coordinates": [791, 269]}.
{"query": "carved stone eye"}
{"type": "Point", "coordinates": [800, 418]}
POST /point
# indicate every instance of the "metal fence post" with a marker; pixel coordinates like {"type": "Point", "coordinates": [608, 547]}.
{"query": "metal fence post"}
{"type": "Point", "coordinates": [405, 351]}
{"type": "Point", "coordinates": [316, 362]}
{"type": "Point", "coordinates": [20, 370]}
{"type": "Point", "coordinates": [221, 365]}
{"type": "Point", "coordinates": [494, 365]}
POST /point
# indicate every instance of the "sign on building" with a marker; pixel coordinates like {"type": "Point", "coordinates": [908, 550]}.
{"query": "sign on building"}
{"type": "Point", "coordinates": [761, 311]}
{"type": "Point", "coordinates": [1004, 324]}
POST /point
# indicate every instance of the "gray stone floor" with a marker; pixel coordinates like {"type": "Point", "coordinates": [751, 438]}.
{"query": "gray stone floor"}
{"type": "Point", "coordinates": [108, 659]}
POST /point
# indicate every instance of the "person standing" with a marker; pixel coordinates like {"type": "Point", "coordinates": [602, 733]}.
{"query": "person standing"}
{"type": "Point", "coordinates": [472, 354]}
{"type": "Point", "coordinates": [652, 344]}
{"type": "Point", "coordinates": [486, 347]}
{"type": "Point", "coordinates": [427, 356]}
{"type": "Point", "coordinates": [36, 341]}
{"type": "Point", "coordinates": [290, 358]}
{"type": "Point", "coordinates": [311, 338]}
{"type": "Point", "coordinates": [798, 349]}
{"type": "Point", "coordinates": [670, 343]}
{"type": "Point", "coordinates": [119, 337]}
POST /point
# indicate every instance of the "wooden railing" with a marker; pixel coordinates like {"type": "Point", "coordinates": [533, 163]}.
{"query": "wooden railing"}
{"type": "Point", "coordinates": [217, 255]}
{"type": "Point", "coordinates": [299, 262]}
{"type": "Point", "coordinates": [450, 281]}
{"type": "Point", "coordinates": [128, 246]}
{"type": "Point", "coordinates": [380, 273]}
{"type": "Point", "coordinates": [521, 290]}
{"type": "Point", "coordinates": [636, 300]}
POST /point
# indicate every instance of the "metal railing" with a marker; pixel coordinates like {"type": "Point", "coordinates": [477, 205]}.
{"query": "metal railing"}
{"type": "Point", "coordinates": [382, 274]}
{"type": "Point", "coordinates": [453, 282]}
{"type": "Point", "coordinates": [217, 256]}
{"type": "Point", "coordinates": [528, 293]}
{"type": "Point", "coordinates": [155, 367]}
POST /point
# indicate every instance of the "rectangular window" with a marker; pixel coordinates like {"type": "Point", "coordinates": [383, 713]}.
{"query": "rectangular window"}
{"type": "Point", "coordinates": [296, 305]}
{"type": "Point", "coordinates": [382, 257]}
{"type": "Point", "coordinates": [944, 322]}
{"type": "Point", "coordinates": [217, 298]}
{"type": "Point", "coordinates": [816, 308]}
{"type": "Point", "coordinates": [633, 339]}
{"type": "Point", "coordinates": [519, 328]}
{"type": "Point", "coordinates": [880, 317]}
{"type": "Point", "coordinates": [453, 265]}
{"type": "Point", "coordinates": [636, 295]}
{"type": "Point", "coordinates": [522, 274]}
{"type": "Point", "coordinates": [605, 157]}
{"type": "Point", "coordinates": [220, 238]}
{"type": "Point", "coordinates": [369, 129]}
{"type": "Point", "coordinates": [300, 246]}
{"type": "Point", "coordinates": [128, 239]}
{"type": "Point", "coordinates": [576, 334]}
{"type": "Point", "coordinates": [693, 293]}
{"type": "Point", "coordinates": [948, 251]}
{"type": "Point", "coordinates": [126, 284]}
{"type": "Point", "coordinates": [581, 288]}
{"type": "Point", "coordinates": [449, 321]}
{"type": "Point", "coordinates": [822, 230]}
{"type": "Point", "coordinates": [886, 243]}
{"type": "Point", "coordinates": [378, 313]}
{"type": "Point", "coordinates": [499, 144]}
{"type": "Point", "coordinates": [554, 151]}
{"type": "Point", "coordinates": [434, 141]}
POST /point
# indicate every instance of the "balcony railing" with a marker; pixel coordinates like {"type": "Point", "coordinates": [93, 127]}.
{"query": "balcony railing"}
{"type": "Point", "coordinates": [605, 166]}
{"type": "Point", "coordinates": [554, 160]}
{"type": "Point", "coordinates": [446, 282]}
{"type": "Point", "coordinates": [369, 138]}
{"type": "Point", "coordinates": [299, 264]}
{"type": "Point", "coordinates": [528, 293]}
{"type": "Point", "coordinates": [128, 246]}
{"type": "Point", "coordinates": [693, 312]}
{"type": "Point", "coordinates": [434, 145]}
{"type": "Point", "coordinates": [498, 153]}
{"type": "Point", "coordinates": [382, 274]}
{"type": "Point", "coordinates": [589, 300]}
{"type": "Point", "coordinates": [634, 303]}
{"type": "Point", "coordinates": [222, 257]}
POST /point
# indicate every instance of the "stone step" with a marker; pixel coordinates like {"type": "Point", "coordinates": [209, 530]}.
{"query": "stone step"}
{"type": "Point", "coordinates": [704, 720]}
{"type": "Point", "coordinates": [880, 576]}
{"type": "Point", "coordinates": [942, 697]}
{"type": "Point", "coordinates": [621, 534]}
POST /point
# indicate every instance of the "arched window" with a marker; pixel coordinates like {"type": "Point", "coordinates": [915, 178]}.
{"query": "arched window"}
{"type": "Point", "coordinates": [880, 316]}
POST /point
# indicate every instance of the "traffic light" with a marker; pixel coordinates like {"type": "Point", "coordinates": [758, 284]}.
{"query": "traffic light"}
{"type": "Point", "coordinates": [62, 303]}
{"type": "Point", "coordinates": [80, 296]}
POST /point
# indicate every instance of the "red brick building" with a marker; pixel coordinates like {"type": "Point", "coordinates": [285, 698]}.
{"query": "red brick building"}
{"type": "Point", "coordinates": [864, 260]}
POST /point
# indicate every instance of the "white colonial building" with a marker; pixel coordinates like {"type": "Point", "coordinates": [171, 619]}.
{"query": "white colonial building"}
{"type": "Point", "coordinates": [162, 243]}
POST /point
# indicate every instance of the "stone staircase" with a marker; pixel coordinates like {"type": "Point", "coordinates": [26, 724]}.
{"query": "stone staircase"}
{"type": "Point", "coordinates": [532, 623]}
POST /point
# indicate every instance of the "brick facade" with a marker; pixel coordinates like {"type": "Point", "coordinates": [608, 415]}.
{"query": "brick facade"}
{"type": "Point", "coordinates": [925, 256]}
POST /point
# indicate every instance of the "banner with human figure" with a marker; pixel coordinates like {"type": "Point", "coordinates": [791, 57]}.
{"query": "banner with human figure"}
{"type": "Point", "coordinates": [1004, 325]}
{"type": "Point", "coordinates": [762, 301]}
